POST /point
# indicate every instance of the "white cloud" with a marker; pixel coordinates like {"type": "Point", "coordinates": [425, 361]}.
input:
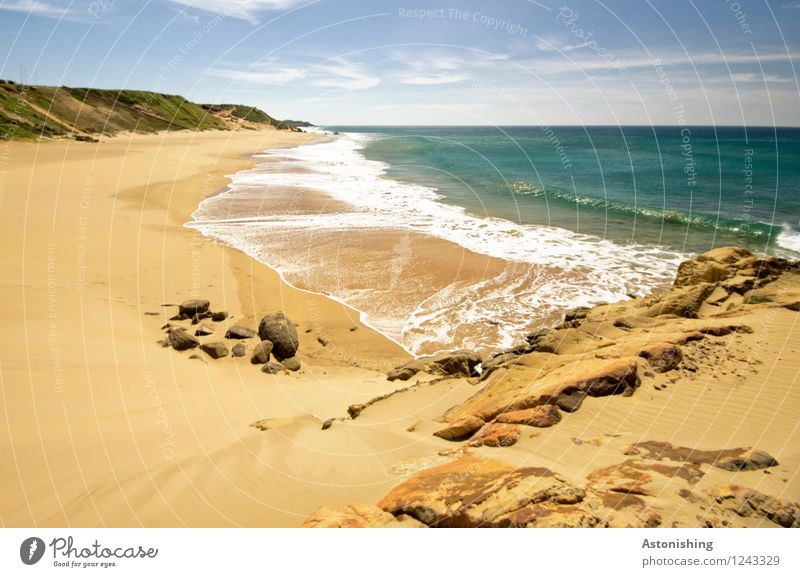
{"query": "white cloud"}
{"type": "Point", "coordinates": [36, 8]}
{"type": "Point", "coordinates": [242, 9]}
{"type": "Point", "coordinates": [749, 77]}
{"type": "Point", "coordinates": [434, 80]}
{"type": "Point", "coordinates": [345, 75]}
{"type": "Point", "coordinates": [334, 73]}
{"type": "Point", "coordinates": [265, 76]}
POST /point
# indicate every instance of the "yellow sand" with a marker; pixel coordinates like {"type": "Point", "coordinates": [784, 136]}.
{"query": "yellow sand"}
{"type": "Point", "coordinates": [101, 425]}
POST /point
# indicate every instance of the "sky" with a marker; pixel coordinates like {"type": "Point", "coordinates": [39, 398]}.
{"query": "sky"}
{"type": "Point", "coordinates": [462, 62]}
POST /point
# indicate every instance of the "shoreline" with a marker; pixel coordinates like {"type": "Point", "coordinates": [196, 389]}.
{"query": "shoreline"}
{"type": "Point", "coordinates": [429, 275]}
{"type": "Point", "coordinates": [105, 427]}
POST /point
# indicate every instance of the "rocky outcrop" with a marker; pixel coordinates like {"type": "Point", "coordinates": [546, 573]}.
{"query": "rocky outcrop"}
{"type": "Point", "coordinates": [496, 435]}
{"type": "Point", "coordinates": [740, 459]}
{"type": "Point", "coordinates": [476, 492]}
{"type": "Point", "coordinates": [662, 357]}
{"type": "Point", "coordinates": [461, 429]}
{"type": "Point", "coordinates": [745, 502]}
{"type": "Point", "coordinates": [682, 302]}
{"type": "Point", "coordinates": [358, 515]}
{"type": "Point", "coordinates": [450, 364]}
{"type": "Point", "coordinates": [541, 416]}
{"type": "Point", "coordinates": [281, 332]}
{"type": "Point", "coordinates": [677, 339]}
{"type": "Point", "coordinates": [564, 385]}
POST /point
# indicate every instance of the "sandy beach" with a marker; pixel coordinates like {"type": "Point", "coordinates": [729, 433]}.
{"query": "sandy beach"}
{"type": "Point", "coordinates": [103, 426]}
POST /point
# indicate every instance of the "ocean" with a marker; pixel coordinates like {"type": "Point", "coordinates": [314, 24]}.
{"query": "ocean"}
{"type": "Point", "coordinates": [541, 218]}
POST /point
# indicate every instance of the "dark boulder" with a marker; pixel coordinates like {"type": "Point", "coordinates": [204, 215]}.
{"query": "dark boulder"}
{"type": "Point", "coordinates": [201, 316]}
{"type": "Point", "coordinates": [239, 332]}
{"type": "Point", "coordinates": [180, 340]}
{"type": "Point", "coordinates": [193, 307]}
{"type": "Point", "coordinates": [239, 350]}
{"type": "Point", "coordinates": [219, 316]}
{"type": "Point", "coordinates": [292, 363]}
{"type": "Point", "coordinates": [273, 368]}
{"type": "Point", "coordinates": [215, 350]}
{"type": "Point", "coordinates": [204, 330]}
{"type": "Point", "coordinates": [261, 353]}
{"type": "Point", "coordinates": [279, 330]}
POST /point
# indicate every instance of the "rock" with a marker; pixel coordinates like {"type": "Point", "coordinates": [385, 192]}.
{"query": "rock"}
{"type": "Point", "coordinates": [261, 353]}
{"type": "Point", "coordinates": [292, 363]}
{"type": "Point", "coordinates": [200, 317]}
{"type": "Point", "coordinates": [541, 416]}
{"type": "Point", "coordinates": [239, 350]}
{"type": "Point", "coordinates": [570, 401]}
{"type": "Point", "coordinates": [755, 459]}
{"type": "Point", "coordinates": [476, 492]}
{"type": "Point", "coordinates": [566, 385]}
{"type": "Point", "coordinates": [497, 361]}
{"type": "Point", "coordinates": [215, 350]}
{"type": "Point", "coordinates": [180, 340]}
{"type": "Point", "coordinates": [327, 424]}
{"type": "Point", "coordinates": [662, 357]}
{"type": "Point", "coordinates": [204, 330]}
{"type": "Point", "coordinates": [739, 459]}
{"type": "Point", "coordinates": [196, 357]}
{"type": "Point", "coordinates": [273, 368]}
{"type": "Point", "coordinates": [683, 302]}
{"type": "Point", "coordinates": [193, 307]}
{"type": "Point", "coordinates": [745, 502]}
{"type": "Point", "coordinates": [401, 374]}
{"type": "Point", "coordinates": [219, 316]}
{"type": "Point", "coordinates": [455, 364]}
{"type": "Point", "coordinates": [358, 515]}
{"type": "Point", "coordinates": [239, 332]}
{"type": "Point", "coordinates": [575, 314]}
{"type": "Point", "coordinates": [355, 410]}
{"type": "Point", "coordinates": [723, 330]}
{"type": "Point", "coordinates": [496, 435]}
{"type": "Point", "coordinates": [449, 364]}
{"type": "Point", "coordinates": [279, 330]}
{"type": "Point", "coordinates": [460, 429]}
{"type": "Point", "coordinates": [323, 341]}
{"type": "Point", "coordinates": [710, 267]}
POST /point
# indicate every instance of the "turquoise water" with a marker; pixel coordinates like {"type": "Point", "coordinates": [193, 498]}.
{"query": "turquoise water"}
{"type": "Point", "coordinates": [685, 188]}
{"type": "Point", "coordinates": [486, 234]}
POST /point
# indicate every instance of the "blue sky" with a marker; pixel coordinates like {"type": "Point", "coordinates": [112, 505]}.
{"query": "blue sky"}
{"type": "Point", "coordinates": [428, 62]}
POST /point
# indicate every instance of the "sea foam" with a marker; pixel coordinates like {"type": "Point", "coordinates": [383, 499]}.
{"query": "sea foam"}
{"type": "Point", "coordinates": [592, 269]}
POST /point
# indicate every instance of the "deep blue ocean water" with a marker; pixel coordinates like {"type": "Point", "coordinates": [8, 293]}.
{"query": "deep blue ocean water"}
{"type": "Point", "coordinates": [686, 188]}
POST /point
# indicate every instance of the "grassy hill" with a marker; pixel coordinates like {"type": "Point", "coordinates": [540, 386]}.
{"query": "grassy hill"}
{"type": "Point", "coordinates": [35, 112]}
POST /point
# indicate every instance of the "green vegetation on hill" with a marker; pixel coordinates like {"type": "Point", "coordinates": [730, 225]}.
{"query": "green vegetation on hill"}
{"type": "Point", "coordinates": [33, 112]}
